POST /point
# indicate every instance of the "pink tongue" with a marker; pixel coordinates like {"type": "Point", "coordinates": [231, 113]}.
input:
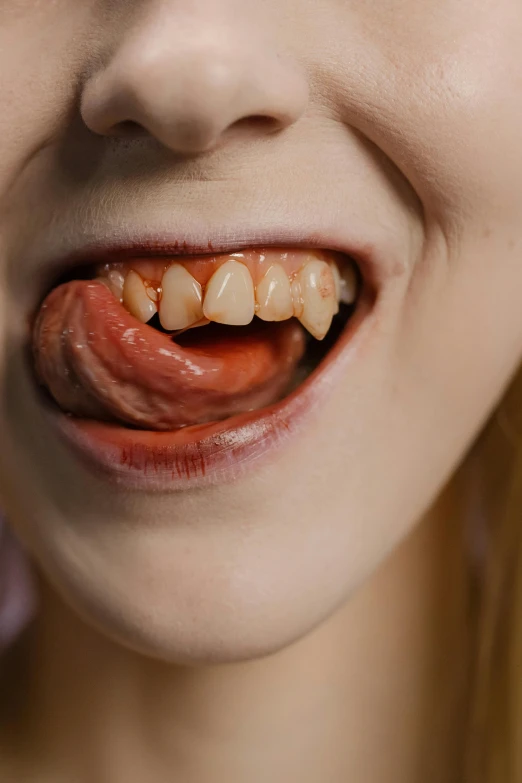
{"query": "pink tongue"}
{"type": "Point", "coordinates": [99, 362]}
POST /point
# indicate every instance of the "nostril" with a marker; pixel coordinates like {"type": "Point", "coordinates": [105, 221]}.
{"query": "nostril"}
{"type": "Point", "coordinates": [260, 122]}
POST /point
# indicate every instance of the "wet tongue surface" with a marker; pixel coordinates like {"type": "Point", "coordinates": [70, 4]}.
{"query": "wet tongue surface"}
{"type": "Point", "coordinates": [99, 362]}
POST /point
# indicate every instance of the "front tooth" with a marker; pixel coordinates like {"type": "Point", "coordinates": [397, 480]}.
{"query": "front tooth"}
{"type": "Point", "coordinates": [229, 298]}
{"type": "Point", "coordinates": [181, 299]}
{"type": "Point", "coordinates": [318, 297]}
{"type": "Point", "coordinates": [135, 298]}
{"type": "Point", "coordinates": [274, 295]}
{"type": "Point", "coordinates": [296, 297]}
{"type": "Point", "coordinates": [349, 284]}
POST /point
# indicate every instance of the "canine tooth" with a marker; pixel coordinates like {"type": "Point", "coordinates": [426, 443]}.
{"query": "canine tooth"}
{"type": "Point", "coordinates": [135, 298]}
{"type": "Point", "coordinates": [349, 284]}
{"type": "Point", "coordinates": [181, 299]}
{"type": "Point", "coordinates": [337, 283]}
{"type": "Point", "coordinates": [318, 297]}
{"type": "Point", "coordinates": [229, 298]}
{"type": "Point", "coordinates": [274, 295]}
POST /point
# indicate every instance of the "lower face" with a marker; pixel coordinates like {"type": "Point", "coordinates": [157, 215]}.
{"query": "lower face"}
{"type": "Point", "coordinates": [217, 423]}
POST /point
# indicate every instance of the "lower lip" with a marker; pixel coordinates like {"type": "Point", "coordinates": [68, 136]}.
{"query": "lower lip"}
{"type": "Point", "coordinates": [216, 453]}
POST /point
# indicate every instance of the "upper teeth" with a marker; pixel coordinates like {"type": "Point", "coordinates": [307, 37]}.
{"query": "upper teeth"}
{"type": "Point", "coordinates": [230, 297]}
{"type": "Point", "coordinates": [274, 295]}
{"type": "Point", "coordinates": [348, 283]}
{"type": "Point", "coordinates": [318, 297]}
{"type": "Point", "coordinates": [135, 298]}
{"type": "Point", "coordinates": [181, 299]}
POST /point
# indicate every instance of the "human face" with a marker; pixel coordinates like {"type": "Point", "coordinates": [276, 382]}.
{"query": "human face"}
{"type": "Point", "coordinates": [388, 130]}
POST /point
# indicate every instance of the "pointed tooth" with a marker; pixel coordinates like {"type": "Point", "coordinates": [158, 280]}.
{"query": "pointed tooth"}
{"type": "Point", "coordinates": [318, 297]}
{"type": "Point", "coordinates": [181, 299]}
{"type": "Point", "coordinates": [337, 278]}
{"type": "Point", "coordinates": [229, 297]}
{"type": "Point", "coordinates": [274, 295]}
{"type": "Point", "coordinates": [349, 283]}
{"type": "Point", "coordinates": [337, 283]}
{"type": "Point", "coordinates": [135, 298]}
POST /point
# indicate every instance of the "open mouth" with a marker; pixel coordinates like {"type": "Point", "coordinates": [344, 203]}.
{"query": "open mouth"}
{"type": "Point", "coordinates": [176, 370]}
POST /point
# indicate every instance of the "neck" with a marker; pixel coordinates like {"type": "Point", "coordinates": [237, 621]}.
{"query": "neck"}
{"type": "Point", "coordinates": [374, 694]}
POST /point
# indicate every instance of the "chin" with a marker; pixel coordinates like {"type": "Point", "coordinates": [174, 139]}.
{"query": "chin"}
{"type": "Point", "coordinates": [196, 601]}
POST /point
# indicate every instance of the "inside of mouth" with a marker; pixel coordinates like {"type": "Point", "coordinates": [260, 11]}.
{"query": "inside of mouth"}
{"type": "Point", "coordinates": [98, 359]}
{"type": "Point", "coordinates": [214, 333]}
{"type": "Point", "coordinates": [314, 354]}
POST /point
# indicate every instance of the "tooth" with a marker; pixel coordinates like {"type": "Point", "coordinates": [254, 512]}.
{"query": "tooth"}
{"type": "Point", "coordinates": [349, 283]}
{"type": "Point", "coordinates": [274, 295]}
{"type": "Point", "coordinates": [338, 284]}
{"type": "Point", "coordinates": [181, 299]}
{"type": "Point", "coordinates": [318, 297]}
{"type": "Point", "coordinates": [135, 298]}
{"type": "Point", "coordinates": [229, 297]}
{"type": "Point", "coordinates": [296, 297]}
{"type": "Point", "coordinates": [152, 293]}
{"type": "Point", "coordinates": [116, 282]}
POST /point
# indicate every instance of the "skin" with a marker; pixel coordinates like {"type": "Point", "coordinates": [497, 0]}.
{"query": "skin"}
{"type": "Point", "coordinates": [407, 116]}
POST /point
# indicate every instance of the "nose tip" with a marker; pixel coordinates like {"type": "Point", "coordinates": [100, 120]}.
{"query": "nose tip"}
{"type": "Point", "coordinates": [189, 94]}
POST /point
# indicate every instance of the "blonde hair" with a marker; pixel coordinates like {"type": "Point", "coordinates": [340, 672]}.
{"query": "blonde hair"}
{"type": "Point", "coordinates": [493, 473]}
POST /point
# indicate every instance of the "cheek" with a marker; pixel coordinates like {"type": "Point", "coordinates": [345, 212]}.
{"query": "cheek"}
{"type": "Point", "coordinates": [460, 330]}
{"type": "Point", "coordinates": [450, 115]}
{"type": "Point", "coordinates": [456, 345]}
{"type": "Point", "coordinates": [400, 423]}
{"type": "Point", "coordinates": [43, 48]}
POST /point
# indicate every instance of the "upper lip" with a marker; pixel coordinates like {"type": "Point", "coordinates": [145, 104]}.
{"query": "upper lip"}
{"type": "Point", "coordinates": [376, 263]}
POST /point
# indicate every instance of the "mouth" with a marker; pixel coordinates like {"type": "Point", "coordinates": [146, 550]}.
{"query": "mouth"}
{"type": "Point", "coordinates": [163, 370]}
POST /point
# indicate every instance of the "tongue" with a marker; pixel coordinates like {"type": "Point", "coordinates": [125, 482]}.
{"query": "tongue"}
{"type": "Point", "coordinates": [97, 361]}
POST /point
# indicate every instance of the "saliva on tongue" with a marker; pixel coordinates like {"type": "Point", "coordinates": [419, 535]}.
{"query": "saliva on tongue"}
{"type": "Point", "coordinates": [97, 361]}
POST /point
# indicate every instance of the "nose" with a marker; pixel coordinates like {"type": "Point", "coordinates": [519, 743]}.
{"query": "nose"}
{"type": "Point", "coordinates": [187, 80]}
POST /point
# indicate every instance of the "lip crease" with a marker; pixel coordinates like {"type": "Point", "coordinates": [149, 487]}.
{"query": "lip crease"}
{"type": "Point", "coordinates": [217, 452]}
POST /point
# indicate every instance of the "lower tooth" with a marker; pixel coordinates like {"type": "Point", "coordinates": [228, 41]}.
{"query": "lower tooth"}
{"type": "Point", "coordinates": [135, 298]}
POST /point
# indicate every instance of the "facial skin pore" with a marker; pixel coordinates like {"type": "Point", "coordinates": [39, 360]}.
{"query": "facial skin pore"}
{"type": "Point", "coordinates": [124, 117]}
